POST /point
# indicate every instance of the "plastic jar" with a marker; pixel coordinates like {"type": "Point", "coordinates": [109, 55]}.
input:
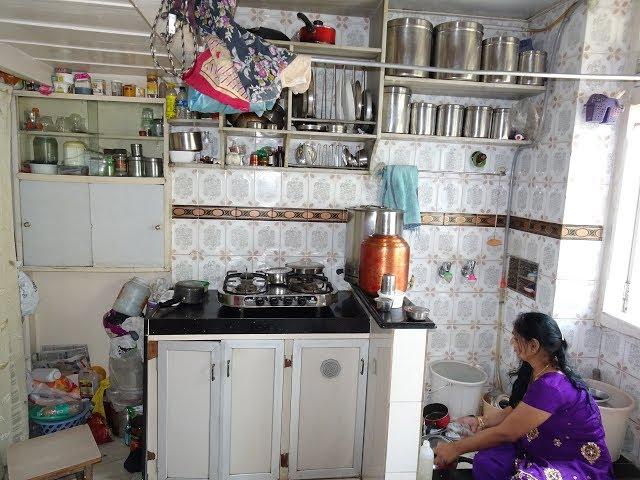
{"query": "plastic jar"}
{"type": "Point", "coordinates": [132, 297]}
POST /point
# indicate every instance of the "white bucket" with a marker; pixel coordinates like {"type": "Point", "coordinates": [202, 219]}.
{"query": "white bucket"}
{"type": "Point", "coordinates": [458, 385]}
{"type": "Point", "coordinates": [615, 413]}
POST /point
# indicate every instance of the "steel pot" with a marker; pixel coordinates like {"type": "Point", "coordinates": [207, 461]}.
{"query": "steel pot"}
{"type": "Point", "coordinates": [409, 43]}
{"type": "Point", "coordinates": [458, 44]}
{"type": "Point", "coordinates": [395, 109]}
{"type": "Point", "coordinates": [477, 121]}
{"type": "Point", "coordinates": [152, 166]}
{"type": "Point", "coordinates": [305, 267]}
{"type": "Point", "coordinates": [135, 167]}
{"type": "Point", "coordinates": [500, 53]}
{"type": "Point", "coordinates": [450, 120]}
{"type": "Point", "coordinates": [361, 223]}
{"type": "Point", "coordinates": [189, 292]}
{"type": "Point", "coordinates": [276, 275]}
{"type": "Point", "coordinates": [436, 415]}
{"type": "Point", "coordinates": [185, 141]}
{"type": "Point", "coordinates": [423, 118]}
{"type": "Point", "coordinates": [532, 61]}
{"type": "Point", "coordinates": [500, 124]}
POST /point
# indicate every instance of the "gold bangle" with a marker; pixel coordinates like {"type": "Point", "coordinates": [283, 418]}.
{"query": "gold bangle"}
{"type": "Point", "coordinates": [481, 424]}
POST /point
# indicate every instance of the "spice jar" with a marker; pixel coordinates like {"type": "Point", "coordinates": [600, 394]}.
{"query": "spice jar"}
{"type": "Point", "coordinates": [152, 85]}
{"type": "Point", "coordinates": [253, 159]}
{"type": "Point", "coordinates": [120, 164]}
{"type": "Point", "coordinates": [129, 90]}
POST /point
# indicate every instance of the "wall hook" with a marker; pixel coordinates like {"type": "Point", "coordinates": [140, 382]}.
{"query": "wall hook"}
{"type": "Point", "coordinates": [468, 271]}
{"type": "Point", "coordinates": [444, 272]}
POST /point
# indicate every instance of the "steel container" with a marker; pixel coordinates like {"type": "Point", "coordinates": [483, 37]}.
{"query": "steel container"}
{"type": "Point", "coordinates": [152, 166]}
{"type": "Point", "coordinates": [500, 53]}
{"type": "Point", "coordinates": [385, 252]}
{"type": "Point", "coordinates": [500, 124]}
{"type": "Point", "coordinates": [395, 109]}
{"type": "Point", "coordinates": [423, 118]}
{"type": "Point", "coordinates": [477, 121]}
{"type": "Point", "coordinates": [450, 120]}
{"type": "Point", "coordinates": [458, 45]}
{"type": "Point", "coordinates": [532, 61]}
{"type": "Point", "coordinates": [409, 43]}
{"type": "Point", "coordinates": [185, 141]}
{"type": "Point", "coordinates": [136, 149]}
{"type": "Point", "coordinates": [135, 167]}
{"type": "Point", "coordinates": [361, 222]}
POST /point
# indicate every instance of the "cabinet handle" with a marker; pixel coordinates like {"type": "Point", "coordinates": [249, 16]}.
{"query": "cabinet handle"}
{"type": "Point", "coordinates": [26, 224]}
{"type": "Point", "coordinates": [362, 366]}
{"type": "Point", "coordinates": [158, 227]}
{"type": "Point", "coordinates": [228, 363]}
{"type": "Point", "coordinates": [213, 372]}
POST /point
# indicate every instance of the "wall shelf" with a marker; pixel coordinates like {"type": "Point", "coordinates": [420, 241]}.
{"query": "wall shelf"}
{"type": "Point", "coordinates": [334, 51]}
{"type": "Point", "coordinates": [43, 133]}
{"type": "Point", "coordinates": [194, 122]}
{"type": "Point", "coordinates": [349, 137]}
{"type": "Point", "coordinates": [96, 269]}
{"type": "Point", "coordinates": [460, 88]}
{"type": "Point", "coordinates": [91, 179]}
{"type": "Point", "coordinates": [253, 132]}
{"type": "Point", "coordinates": [141, 138]}
{"type": "Point", "coordinates": [90, 98]}
{"type": "Point", "coordinates": [460, 140]}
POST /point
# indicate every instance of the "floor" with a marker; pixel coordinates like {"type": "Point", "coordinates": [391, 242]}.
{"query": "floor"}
{"type": "Point", "coordinates": [112, 465]}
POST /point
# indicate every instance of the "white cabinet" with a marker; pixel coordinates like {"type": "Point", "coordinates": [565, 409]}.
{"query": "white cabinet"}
{"type": "Point", "coordinates": [81, 224]}
{"type": "Point", "coordinates": [327, 408]}
{"type": "Point", "coordinates": [56, 226]}
{"type": "Point", "coordinates": [127, 225]}
{"type": "Point", "coordinates": [251, 409]}
{"type": "Point", "coordinates": [188, 410]}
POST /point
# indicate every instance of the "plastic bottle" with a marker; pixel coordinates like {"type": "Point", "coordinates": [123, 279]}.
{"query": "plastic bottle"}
{"type": "Point", "coordinates": [171, 98]}
{"type": "Point", "coordinates": [182, 104]}
{"type": "Point", "coordinates": [88, 381]}
{"type": "Point", "coordinates": [425, 462]}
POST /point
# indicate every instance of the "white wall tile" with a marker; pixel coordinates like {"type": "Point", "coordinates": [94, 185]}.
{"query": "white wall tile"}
{"type": "Point", "coordinates": [295, 190]}
{"type": "Point", "coordinates": [212, 269]}
{"type": "Point", "coordinates": [348, 191]}
{"type": "Point", "coordinates": [266, 238]}
{"type": "Point", "coordinates": [579, 260]}
{"type": "Point", "coordinates": [464, 311]}
{"type": "Point", "coordinates": [293, 239]}
{"type": "Point", "coordinates": [184, 187]}
{"type": "Point", "coordinates": [321, 190]}
{"type": "Point", "coordinates": [473, 196]}
{"type": "Point", "coordinates": [184, 267]}
{"type": "Point", "coordinates": [268, 186]}
{"type": "Point", "coordinates": [240, 188]}
{"type": "Point", "coordinates": [575, 299]}
{"type": "Point", "coordinates": [211, 237]}
{"type": "Point", "coordinates": [184, 236]}
{"type": "Point", "coordinates": [212, 187]}
{"type": "Point", "coordinates": [239, 237]}
{"type": "Point", "coordinates": [319, 239]}
{"type": "Point", "coordinates": [449, 195]}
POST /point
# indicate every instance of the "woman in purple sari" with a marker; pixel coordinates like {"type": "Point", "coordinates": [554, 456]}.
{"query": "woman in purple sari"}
{"type": "Point", "coordinates": [552, 429]}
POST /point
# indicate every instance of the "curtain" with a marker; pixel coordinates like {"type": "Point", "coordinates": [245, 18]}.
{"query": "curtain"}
{"type": "Point", "coordinates": [13, 391]}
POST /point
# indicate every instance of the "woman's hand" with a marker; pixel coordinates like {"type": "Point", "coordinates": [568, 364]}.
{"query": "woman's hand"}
{"type": "Point", "coordinates": [469, 421]}
{"type": "Point", "coordinates": [445, 454]}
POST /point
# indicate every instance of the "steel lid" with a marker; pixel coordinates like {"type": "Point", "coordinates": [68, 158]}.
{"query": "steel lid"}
{"type": "Point", "coordinates": [453, 106]}
{"type": "Point", "coordinates": [397, 90]}
{"type": "Point", "coordinates": [500, 39]}
{"type": "Point", "coordinates": [412, 22]}
{"type": "Point", "coordinates": [459, 25]}
{"type": "Point", "coordinates": [479, 107]}
{"type": "Point", "coordinates": [305, 265]}
{"type": "Point", "coordinates": [276, 270]}
{"type": "Point", "coordinates": [501, 110]}
{"type": "Point", "coordinates": [533, 53]}
{"type": "Point", "coordinates": [424, 104]}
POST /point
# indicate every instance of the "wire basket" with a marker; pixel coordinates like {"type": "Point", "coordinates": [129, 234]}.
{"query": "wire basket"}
{"type": "Point", "coordinates": [40, 427]}
{"type": "Point", "coordinates": [603, 109]}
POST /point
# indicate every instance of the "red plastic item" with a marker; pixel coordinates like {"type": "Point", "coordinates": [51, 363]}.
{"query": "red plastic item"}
{"type": "Point", "coordinates": [316, 32]}
{"type": "Point", "coordinates": [99, 428]}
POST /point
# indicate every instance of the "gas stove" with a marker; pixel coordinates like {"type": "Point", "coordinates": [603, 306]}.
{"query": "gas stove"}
{"type": "Point", "coordinates": [282, 289]}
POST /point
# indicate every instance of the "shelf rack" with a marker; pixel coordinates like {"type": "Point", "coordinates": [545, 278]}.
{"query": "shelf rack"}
{"type": "Point", "coordinates": [460, 140]}
{"type": "Point", "coordinates": [91, 179]}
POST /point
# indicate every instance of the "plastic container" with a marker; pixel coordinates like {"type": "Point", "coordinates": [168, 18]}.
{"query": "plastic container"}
{"type": "Point", "coordinates": [132, 297]}
{"type": "Point", "coordinates": [88, 381]}
{"type": "Point", "coordinates": [126, 373]}
{"type": "Point", "coordinates": [425, 462]}
{"type": "Point", "coordinates": [614, 414]}
{"type": "Point", "coordinates": [44, 428]}
{"type": "Point", "coordinates": [457, 385]}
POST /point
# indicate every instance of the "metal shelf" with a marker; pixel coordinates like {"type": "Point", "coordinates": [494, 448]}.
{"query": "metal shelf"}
{"type": "Point", "coordinates": [91, 179]}
{"type": "Point", "coordinates": [461, 140]}
{"type": "Point", "coordinates": [45, 133]}
{"type": "Point", "coordinates": [194, 122]}
{"type": "Point", "coordinates": [460, 88]}
{"type": "Point", "coordinates": [90, 98]}
{"type": "Point", "coordinates": [333, 51]}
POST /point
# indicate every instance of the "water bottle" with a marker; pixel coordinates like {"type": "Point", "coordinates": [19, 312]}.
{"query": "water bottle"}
{"type": "Point", "coordinates": [425, 462]}
{"type": "Point", "coordinates": [182, 104]}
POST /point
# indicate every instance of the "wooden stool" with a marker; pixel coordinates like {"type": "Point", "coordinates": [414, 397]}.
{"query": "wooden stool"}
{"type": "Point", "coordinates": [53, 456]}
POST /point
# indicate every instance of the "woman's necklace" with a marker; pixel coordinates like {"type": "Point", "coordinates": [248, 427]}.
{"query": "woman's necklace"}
{"type": "Point", "coordinates": [535, 377]}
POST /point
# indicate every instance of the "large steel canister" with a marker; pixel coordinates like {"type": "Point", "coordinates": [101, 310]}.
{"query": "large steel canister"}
{"type": "Point", "coordinates": [361, 224]}
{"type": "Point", "coordinates": [409, 43]}
{"type": "Point", "coordinates": [450, 120]}
{"type": "Point", "coordinates": [395, 109]}
{"type": "Point", "coordinates": [500, 124]}
{"type": "Point", "coordinates": [500, 53]}
{"type": "Point", "coordinates": [384, 252]}
{"type": "Point", "coordinates": [477, 121]}
{"type": "Point", "coordinates": [458, 44]}
{"type": "Point", "coordinates": [423, 118]}
{"type": "Point", "coordinates": [532, 61]}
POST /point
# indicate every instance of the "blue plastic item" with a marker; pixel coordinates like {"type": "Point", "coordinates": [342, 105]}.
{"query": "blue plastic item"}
{"type": "Point", "coordinates": [41, 427]}
{"type": "Point", "coordinates": [603, 109]}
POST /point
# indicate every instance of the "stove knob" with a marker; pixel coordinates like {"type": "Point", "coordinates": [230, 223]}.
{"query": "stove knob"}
{"type": "Point", "coordinates": [274, 301]}
{"type": "Point", "coordinates": [287, 301]}
{"type": "Point", "coordinates": [302, 301]}
{"type": "Point", "coordinates": [259, 301]}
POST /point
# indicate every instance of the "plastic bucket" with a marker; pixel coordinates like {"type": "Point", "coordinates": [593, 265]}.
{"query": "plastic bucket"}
{"type": "Point", "coordinates": [614, 414]}
{"type": "Point", "coordinates": [458, 385]}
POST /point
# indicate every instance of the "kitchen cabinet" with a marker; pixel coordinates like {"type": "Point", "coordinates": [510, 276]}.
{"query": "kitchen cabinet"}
{"type": "Point", "coordinates": [327, 408]}
{"type": "Point", "coordinates": [127, 225]}
{"type": "Point", "coordinates": [188, 410]}
{"type": "Point", "coordinates": [251, 409]}
{"type": "Point", "coordinates": [56, 225]}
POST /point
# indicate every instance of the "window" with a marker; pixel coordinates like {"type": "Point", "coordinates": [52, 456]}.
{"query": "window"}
{"type": "Point", "coordinates": [621, 305]}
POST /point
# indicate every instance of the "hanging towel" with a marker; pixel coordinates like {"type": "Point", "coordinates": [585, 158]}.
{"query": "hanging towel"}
{"type": "Point", "coordinates": [400, 192]}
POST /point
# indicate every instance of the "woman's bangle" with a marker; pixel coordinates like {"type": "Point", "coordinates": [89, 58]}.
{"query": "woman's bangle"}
{"type": "Point", "coordinates": [481, 424]}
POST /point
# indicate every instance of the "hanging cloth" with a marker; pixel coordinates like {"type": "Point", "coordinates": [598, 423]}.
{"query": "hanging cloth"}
{"type": "Point", "coordinates": [238, 68]}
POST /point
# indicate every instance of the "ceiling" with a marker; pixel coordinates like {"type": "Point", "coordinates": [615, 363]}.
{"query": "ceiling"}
{"type": "Point", "coordinates": [113, 36]}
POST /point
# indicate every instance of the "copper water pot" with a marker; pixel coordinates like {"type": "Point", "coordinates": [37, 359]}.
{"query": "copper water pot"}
{"type": "Point", "coordinates": [384, 252]}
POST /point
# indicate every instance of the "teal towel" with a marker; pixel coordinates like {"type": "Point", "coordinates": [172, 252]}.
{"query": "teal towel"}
{"type": "Point", "coordinates": [400, 192]}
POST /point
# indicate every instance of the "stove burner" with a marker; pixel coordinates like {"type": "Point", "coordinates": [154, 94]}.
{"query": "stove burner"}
{"type": "Point", "coordinates": [245, 283]}
{"type": "Point", "coordinates": [308, 283]}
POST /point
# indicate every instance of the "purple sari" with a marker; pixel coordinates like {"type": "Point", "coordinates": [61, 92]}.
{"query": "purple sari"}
{"type": "Point", "coordinates": [569, 445]}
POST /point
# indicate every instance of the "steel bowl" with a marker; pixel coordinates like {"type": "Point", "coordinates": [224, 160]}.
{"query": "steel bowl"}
{"type": "Point", "coordinates": [417, 313]}
{"type": "Point", "coordinates": [185, 141]}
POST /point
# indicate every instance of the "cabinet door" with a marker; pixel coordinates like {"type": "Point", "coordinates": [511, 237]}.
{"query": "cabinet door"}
{"type": "Point", "coordinates": [56, 228]}
{"type": "Point", "coordinates": [251, 409]}
{"type": "Point", "coordinates": [128, 225]}
{"type": "Point", "coordinates": [188, 409]}
{"type": "Point", "coordinates": [327, 408]}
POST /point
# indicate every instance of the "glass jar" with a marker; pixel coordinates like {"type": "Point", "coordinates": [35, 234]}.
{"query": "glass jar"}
{"type": "Point", "coordinates": [120, 164]}
{"type": "Point", "coordinates": [152, 85]}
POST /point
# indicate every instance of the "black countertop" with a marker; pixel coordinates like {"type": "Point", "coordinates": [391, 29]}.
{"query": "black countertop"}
{"type": "Point", "coordinates": [347, 315]}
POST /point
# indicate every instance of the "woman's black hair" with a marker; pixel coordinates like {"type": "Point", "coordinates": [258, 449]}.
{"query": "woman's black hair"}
{"type": "Point", "coordinates": [534, 325]}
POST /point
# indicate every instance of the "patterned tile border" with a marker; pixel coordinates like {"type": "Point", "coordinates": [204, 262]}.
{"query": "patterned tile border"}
{"type": "Point", "coordinates": [538, 227]}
